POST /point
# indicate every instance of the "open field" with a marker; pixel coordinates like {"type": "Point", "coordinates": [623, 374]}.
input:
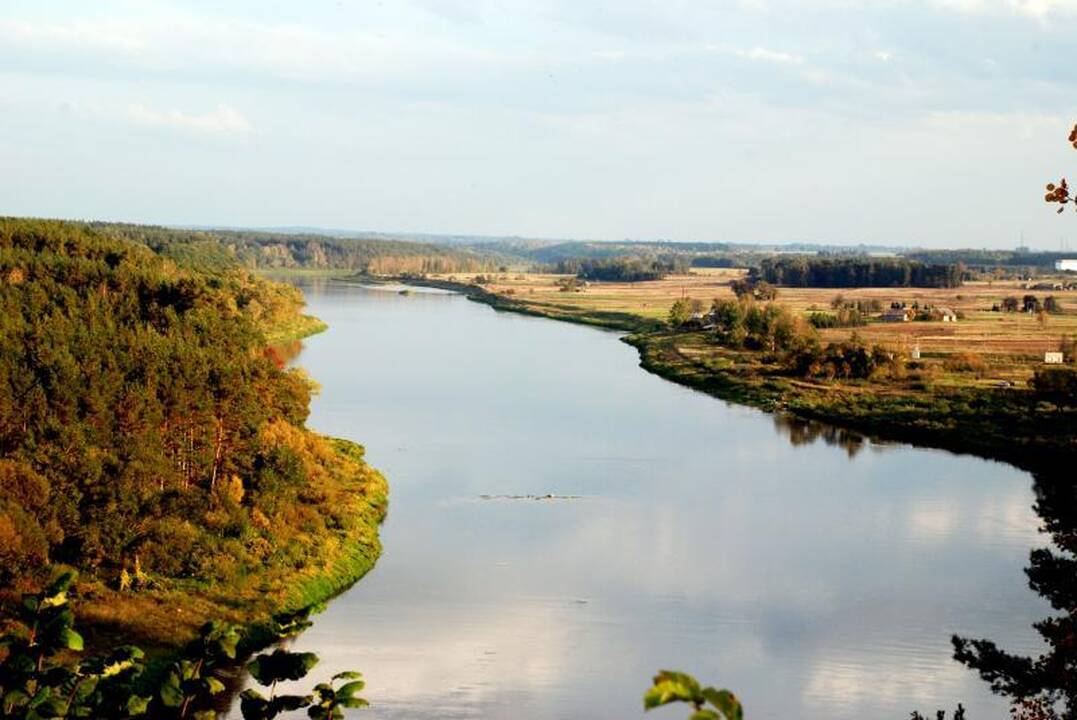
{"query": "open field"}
{"type": "Point", "coordinates": [1012, 344]}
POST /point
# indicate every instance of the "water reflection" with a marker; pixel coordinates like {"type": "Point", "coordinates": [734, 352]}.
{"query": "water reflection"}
{"type": "Point", "coordinates": [1042, 686]}
{"type": "Point", "coordinates": [819, 584]}
{"type": "Point", "coordinates": [805, 432]}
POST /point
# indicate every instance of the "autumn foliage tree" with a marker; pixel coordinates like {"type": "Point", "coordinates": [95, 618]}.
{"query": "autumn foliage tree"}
{"type": "Point", "coordinates": [1060, 192]}
{"type": "Point", "coordinates": [141, 418]}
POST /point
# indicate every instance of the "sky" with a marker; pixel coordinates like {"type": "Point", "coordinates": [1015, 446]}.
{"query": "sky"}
{"type": "Point", "coordinates": [929, 123]}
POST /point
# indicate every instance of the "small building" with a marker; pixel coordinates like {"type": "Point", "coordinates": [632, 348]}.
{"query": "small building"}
{"type": "Point", "coordinates": [946, 314]}
{"type": "Point", "coordinates": [915, 352]}
{"type": "Point", "coordinates": [1052, 358]}
{"type": "Point", "coordinates": [901, 314]}
{"type": "Point", "coordinates": [1066, 265]}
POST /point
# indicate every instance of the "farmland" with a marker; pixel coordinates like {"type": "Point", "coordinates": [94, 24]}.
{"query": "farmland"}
{"type": "Point", "coordinates": [1012, 344]}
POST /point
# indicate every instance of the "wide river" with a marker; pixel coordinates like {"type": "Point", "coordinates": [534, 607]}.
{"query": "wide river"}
{"type": "Point", "coordinates": [814, 575]}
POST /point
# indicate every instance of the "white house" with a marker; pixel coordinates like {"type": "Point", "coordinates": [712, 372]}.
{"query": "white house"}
{"type": "Point", "coordinates": [1052, 358]}
{"type": "Point", "coordinates": [1067, 264]}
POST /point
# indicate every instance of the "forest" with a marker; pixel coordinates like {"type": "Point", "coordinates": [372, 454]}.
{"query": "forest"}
{"type": "Point", "coordinates": [623, 268]}
{"type": "Point", "coordinates": [850, 272]}
{"type": "Point", "coordinates": [151, 439]}
{"type": "Point", "coordinates": [989, 258]}
{"type": "Point", "coordinates": [210, 250]}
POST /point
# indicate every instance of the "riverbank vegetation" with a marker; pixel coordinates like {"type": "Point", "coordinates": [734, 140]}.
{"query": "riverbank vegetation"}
{"type": "Point", "coordinates": [150, 439]}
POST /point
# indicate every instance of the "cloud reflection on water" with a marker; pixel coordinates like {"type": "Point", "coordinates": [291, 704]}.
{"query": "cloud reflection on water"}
{"type": "Point", "coordinates": [817, 577]}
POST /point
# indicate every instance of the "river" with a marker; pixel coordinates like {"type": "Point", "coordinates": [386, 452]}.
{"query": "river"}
{"type": "Point", "coordinates": [815, 575]}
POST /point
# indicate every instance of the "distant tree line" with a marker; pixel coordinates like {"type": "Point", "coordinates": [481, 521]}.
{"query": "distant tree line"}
{"type": "Point", "coordinates": [222, 249]}
{"type": "Point", "coordinates": [623, 268]}
{"type": "Point", "coordinates": [855, 272]}
{"type": "Point", "coordinates": [988, 258]}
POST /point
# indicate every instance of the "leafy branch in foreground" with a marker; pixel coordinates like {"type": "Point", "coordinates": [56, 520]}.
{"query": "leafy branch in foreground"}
{"type": "Point", "coordinates": [39, 679]}
{"type": "Point", "coordinates": [671, 686]}
{"type": "Point", "coordinates": [1060, 192]}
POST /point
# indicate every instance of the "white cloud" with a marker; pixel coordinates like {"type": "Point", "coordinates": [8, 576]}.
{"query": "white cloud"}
{"type": "Point", "coordinates": [883, 55]}
{"type": "Point", "coordinates": [763, 54]}
{"type": "Point", "coordinates": [1033, 8]}
{"type": "Point", "coordinates": [224, 119]}
{"type": "Point", "coordinates": [192, 44]}
{"type": "Point", "coordinates": [81, 36]}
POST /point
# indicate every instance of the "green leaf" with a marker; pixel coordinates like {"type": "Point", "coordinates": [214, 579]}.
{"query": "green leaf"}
{"type": "Point", "coordinates": [348, 675]}
{"type": "Point", "coordinates": [347, 690]}
{"type": "Point", "coordinates": [170, 691]}
{"type": "Point", "coordinates": [46, 704]}
{"type": "Point", "coordinates": [31, 603]}
{"type": "Point", "coordinates": [705, 715]}
{"type": "Point", "coordinates": [670, 686]}
{"type": "Point", "coordinates": [16, 698]}
{"type": "Point", "coordinates": [354, 703]}
{"type": "Point", "coordinates": [281, 665]}
{"type": "Point", "coordinates": [726, 702]}
{"type": "Point", "coordinates": [253, 706]}
{"type": "Point", "coordinates": [683, 679]}
{"type": "Point", "coordinates": [213, 685]}
{"type": "Point", "coordinates": [121, 659]}
{"type": "Point", "coordinates": [61, 584]}
{"type": "Point", "coordinates": [288, 703]}
{"type": "Point", "coordinates": [216, 641]}
{"type": "Point", "coordinates": [70, 639]}
{"type": "Point", "coordinates": [137, 705]}
{"type": "Point", "coordinates": [288, 624]}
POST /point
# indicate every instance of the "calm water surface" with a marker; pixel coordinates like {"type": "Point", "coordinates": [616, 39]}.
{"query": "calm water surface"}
{"type": "Point", "coordinates": [817, 577]}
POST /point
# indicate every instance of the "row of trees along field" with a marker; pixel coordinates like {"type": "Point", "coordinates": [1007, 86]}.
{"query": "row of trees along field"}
{"type": "Point", "coordinates": [800, 271]}
{"type": "Point", "coordinates": [144, 424]}
{"type": "Point", "coordinates": [624, 268]}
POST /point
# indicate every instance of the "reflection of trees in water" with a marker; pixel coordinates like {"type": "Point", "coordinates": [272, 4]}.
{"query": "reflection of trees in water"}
{"type": "Point", "coordinates": [1045, 687]}
{"type": "Point", "coordinates": [805, 432]}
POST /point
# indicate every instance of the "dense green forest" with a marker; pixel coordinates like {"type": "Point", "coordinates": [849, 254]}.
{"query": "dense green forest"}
{"type": "Point", "coordinates": [150, 438]}
{"type": "Point", "coordinates": [801, 271]}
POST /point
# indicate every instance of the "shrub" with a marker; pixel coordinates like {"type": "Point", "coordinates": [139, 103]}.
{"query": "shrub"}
{"type": "Point", "coordinates": [1056, 384]}
{"type": "Point", "coordinates": [966, 361]}
{"type": "Point", "coordinates": [848, 360]}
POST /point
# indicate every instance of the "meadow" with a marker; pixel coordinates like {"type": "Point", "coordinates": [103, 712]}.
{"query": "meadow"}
{"type": "Point", "coordinates": [1011, 344]}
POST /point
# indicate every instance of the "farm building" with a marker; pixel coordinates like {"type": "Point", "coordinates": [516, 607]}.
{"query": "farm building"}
{"type": "Point", "coordinates": [1068, 264]}
{"type": "Point", "coordinates": [898, 315]}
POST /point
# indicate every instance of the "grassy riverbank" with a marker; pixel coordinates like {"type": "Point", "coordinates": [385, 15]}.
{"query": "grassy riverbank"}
{"type": "Point", "coordinates": [931, 407]}
{"type": "Point", "coordinates": [308, 567]}
{"type": "Point", "coordinates": [297, 328]}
